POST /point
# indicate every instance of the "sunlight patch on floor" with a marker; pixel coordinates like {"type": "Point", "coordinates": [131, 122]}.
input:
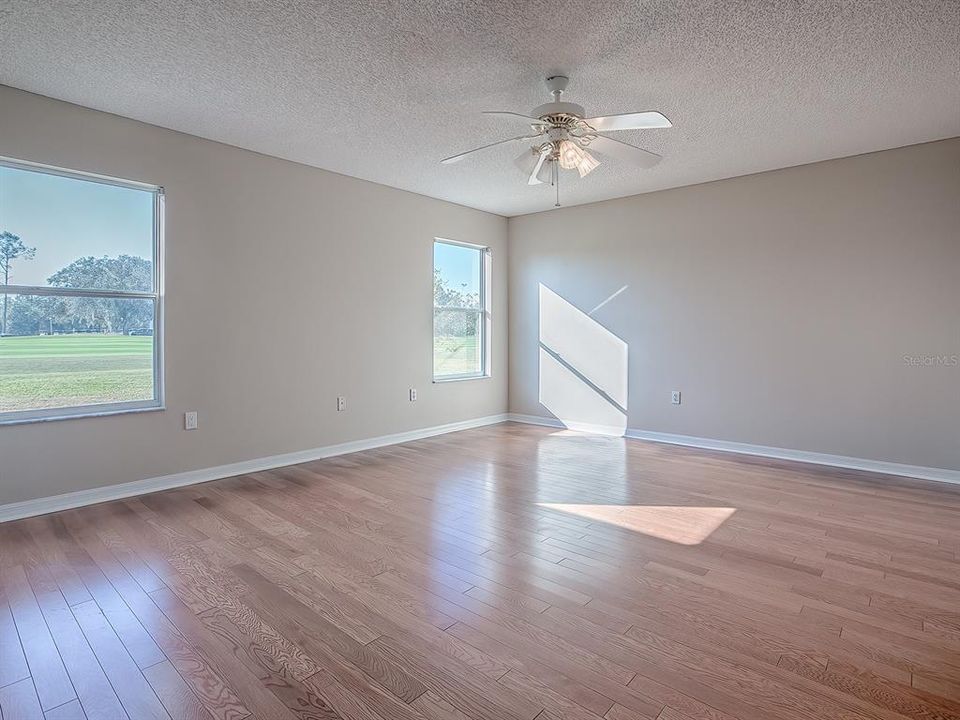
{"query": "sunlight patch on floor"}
{"type": "Point", "coordinates": [682, 525]}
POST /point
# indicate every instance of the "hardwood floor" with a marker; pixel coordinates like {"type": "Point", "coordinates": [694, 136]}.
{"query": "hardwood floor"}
{"type": "Point", "coordinates": [507, 572]}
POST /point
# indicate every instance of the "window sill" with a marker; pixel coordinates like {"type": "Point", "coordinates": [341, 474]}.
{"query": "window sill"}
{"type": "Point", "coordinates": [85, 414]}
{"type": "Point", "coordinates": [459, 378]}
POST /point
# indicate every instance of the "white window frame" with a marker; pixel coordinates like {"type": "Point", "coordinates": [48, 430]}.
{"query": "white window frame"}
{"type": "Point", "coordinates": [156, 296]}
{"type": "Point", "coordinates": [486, 324]}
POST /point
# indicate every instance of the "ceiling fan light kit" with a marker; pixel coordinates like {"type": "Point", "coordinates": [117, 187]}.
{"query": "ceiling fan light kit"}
{"type": "Point", "coordinates": [563, 133]}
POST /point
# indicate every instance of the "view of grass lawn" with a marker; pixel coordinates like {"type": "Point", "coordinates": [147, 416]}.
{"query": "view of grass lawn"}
{"type": "Point", "coordinates": [48, 371]}
{"type": "Point", "coordinates": [455, 355]}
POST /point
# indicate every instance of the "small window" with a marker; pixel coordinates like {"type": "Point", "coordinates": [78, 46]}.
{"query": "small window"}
{"type": "Point", "coordinates": [461, 313]}
{"type": "Point", "coordinates": [79, 294]}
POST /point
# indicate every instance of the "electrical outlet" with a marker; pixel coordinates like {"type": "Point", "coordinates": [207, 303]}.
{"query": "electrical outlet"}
{"type": "Point", "coordinates": [413, 394]}
{"type": "Point", "coordinates": [675, 397]}
{"type": "Point", "coordinates": [190, 421]}
{"type": "Point", "coordinates": [341, 404]}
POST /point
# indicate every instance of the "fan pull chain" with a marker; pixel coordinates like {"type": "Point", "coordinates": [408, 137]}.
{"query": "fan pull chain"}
{"type": "Point", "coordinates": [556, 169]}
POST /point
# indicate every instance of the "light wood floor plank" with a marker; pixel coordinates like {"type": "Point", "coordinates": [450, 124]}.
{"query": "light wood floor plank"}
{"type": "Point", "coordinates": [43, 659]}
{"type": "Point", "coordinates": [136, 695]}
{"type": "Point", "coordinates": [13, 664]}
{"type": "Point", "coordinates": [19, 701]}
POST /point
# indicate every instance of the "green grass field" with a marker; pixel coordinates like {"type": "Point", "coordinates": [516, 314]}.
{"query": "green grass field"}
{"type": "Point", "coordinates": [48, 371]}
{"type": "Point", "coordinates": [455, 356]}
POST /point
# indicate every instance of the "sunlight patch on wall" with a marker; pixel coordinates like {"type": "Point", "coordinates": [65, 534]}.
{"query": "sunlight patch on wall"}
{"type": "Point", "coordinates": [583, 368]}
{"type": "Point", "coordinates": [682, 525]}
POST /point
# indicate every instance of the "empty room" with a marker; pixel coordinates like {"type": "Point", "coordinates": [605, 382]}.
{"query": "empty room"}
{"type": "Point", "coordinates": [489, 360]}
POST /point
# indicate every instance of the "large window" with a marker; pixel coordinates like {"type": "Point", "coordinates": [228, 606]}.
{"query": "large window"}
{"type": "Point", "coordinates": [461, 317]}
{"type": "Point", "coordinates": [79, 294]}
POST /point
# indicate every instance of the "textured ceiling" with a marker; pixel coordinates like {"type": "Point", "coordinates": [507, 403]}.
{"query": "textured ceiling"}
{"type": "Point", "coordinates": [383, 89]}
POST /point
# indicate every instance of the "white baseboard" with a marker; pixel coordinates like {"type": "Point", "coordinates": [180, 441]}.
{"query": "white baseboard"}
{"type": "Point", "coordinates": [42, 506]}
{"type": "Point", "coordinates": [840, 461]}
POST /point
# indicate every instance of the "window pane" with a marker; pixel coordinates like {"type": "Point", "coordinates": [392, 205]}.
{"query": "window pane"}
{"type": "Point", "coordinates": [65, 232]}
{"type": "Point", "coordinates": [456, 276]}
{"type": "Point", "coordinates": [457, 345]}
{"type": "Point", "coordinates": [63, 352]}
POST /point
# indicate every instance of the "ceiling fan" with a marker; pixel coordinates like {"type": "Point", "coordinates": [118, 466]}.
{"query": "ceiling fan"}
{"type": "Point", "coordinates": [562, 138]}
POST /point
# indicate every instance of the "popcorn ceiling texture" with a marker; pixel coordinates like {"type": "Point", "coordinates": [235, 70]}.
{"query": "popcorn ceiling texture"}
{"type": "Point", "coordinates": [382, 90]}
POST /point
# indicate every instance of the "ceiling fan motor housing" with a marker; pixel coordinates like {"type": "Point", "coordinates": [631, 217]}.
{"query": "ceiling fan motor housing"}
{"type": "Point", "coordinates": [560, 110]}
{"type": "Point", "coordinates": [556, 113]}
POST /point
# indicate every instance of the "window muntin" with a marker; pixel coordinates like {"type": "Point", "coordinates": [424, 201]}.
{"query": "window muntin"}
{"type": "Point", "coordinates": [80, 302]}
{"type": "Point", "coordinates": [460, 310]}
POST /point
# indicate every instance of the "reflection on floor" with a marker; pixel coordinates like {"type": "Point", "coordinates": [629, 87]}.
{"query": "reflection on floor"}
{"type": "Point", "coordinates": [510, 572]}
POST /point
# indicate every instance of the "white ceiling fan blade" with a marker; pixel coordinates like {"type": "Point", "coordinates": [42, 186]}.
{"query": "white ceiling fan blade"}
{"type": "Point", "coordinates": [546, 171]}
{"type": "Point", "coordinates": [514, 116]}
{"type": "Point", "coordinates": [460, 156]}
{"type": "Point", "coordinates": [623, 151]}
{"type": "Point", "coordinates": [531, 164]}
{"type": "Point", "coordinates": [534, 178]}
{"type": "Point", "coordinates": [629, 121]}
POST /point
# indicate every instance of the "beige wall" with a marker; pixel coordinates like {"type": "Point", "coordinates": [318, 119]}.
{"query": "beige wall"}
{"type": "Point", "coordinates": [336, 277]}
{"type": "Point", "coordinates": [787, 307]}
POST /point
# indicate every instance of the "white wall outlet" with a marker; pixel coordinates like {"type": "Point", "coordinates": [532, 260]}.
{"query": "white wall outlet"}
{"type": "Point", "coordinates": [341, 404]}
{"type": "Point", "coordinates": [190, 421]}
{"type": "Point", "coordinates": [675, 397]}
{"type": "Point", "coordinates": [413, 394]}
